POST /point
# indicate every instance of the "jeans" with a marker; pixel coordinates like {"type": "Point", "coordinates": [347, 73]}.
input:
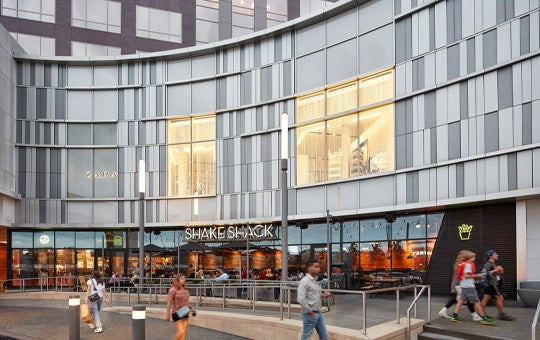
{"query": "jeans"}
{"type": "Point", "coordinates": [95, 307]}
{"type": "Point", "coordinates": [316, 322]}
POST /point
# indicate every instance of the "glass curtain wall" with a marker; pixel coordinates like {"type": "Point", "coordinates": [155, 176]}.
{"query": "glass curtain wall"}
{"type": "Point", "coordinates": [346, 131]}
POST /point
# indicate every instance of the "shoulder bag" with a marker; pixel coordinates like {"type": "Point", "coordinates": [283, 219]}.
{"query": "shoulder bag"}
{"type": "Point", "coordinates": [93, 297]}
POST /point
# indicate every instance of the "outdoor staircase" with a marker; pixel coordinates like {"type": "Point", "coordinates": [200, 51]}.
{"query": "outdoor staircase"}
{"type": "Point", "coordinates": [433, 332]}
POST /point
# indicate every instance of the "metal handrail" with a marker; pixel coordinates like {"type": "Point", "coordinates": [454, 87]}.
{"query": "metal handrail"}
{"type": "Point", "coordinates": [535, 321]}
{"type": "Point", "coordinates": [413, 304]}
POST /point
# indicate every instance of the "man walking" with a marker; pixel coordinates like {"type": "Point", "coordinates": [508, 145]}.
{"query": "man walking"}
{"type": "Point", "coordinates": [494, 288]}
{"type": "Point", "coordinates": [309, 297]}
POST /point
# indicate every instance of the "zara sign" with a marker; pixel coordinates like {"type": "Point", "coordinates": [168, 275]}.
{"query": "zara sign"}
{"type": "Point", "coordinates": [231, 233]}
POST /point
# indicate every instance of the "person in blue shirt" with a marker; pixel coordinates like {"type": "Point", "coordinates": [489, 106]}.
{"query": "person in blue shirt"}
{"type": "Point", "coordinates": [221, 276]}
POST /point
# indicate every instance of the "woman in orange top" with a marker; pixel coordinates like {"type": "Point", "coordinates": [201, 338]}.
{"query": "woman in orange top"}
{"type": "Point", "coordinates": [179, 297]}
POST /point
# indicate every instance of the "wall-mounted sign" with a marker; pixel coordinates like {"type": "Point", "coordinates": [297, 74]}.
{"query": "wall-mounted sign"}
{"type": "Point", "coordinates": [118, 241]}
{"type": "Point", "coordinates": [231, 233]}
{"type": "Point", "coordinates": [44, 239]}
{"type": "Point", "coordinates": [101, 174]}
{"type": "Point", "coordinates": [465, 231]}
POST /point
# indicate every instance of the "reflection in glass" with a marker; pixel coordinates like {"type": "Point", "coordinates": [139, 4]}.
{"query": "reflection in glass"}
{"type": "Point", "coordinates": [22, 239]}
{"type": "Point", "coordinates": [65, 266]}
{"type": "Point", "coordinates": [105, 134]}
{"type": "Point", "coordinates": [105, 173]}
{"type": "Point", "coordinates": [315, 233]}
{"type": "Point", "coordinates": [310, 107]}
{"type": "Point", "coordinates": [377, 88]}
{"type": "Point", "coordinates": [65, 239]}
{"type": "Point", "coordinates": [22, 264]}
{"type": "Point", "coordinates": [434, 222]}
{"type": "Point", "coordinates": [351, 231]}
{"type": "Point", "coordinates": [377, 139]}
{"type": "Point", "coordinates": [79, 134]}
{"type": "Point", "coordinates": [311, 159]}
{"type": "Point", "coordinates": [373, 230]}
{"type": "Point", "coordinates": [85, 239]}
{"type": "Point", "coordinates": [79, 176]}
{"type": "Point", "coordinates": [294, 234]}
{"type": "Point", "coordinates": [44, 239]}
{"type": "Point", "coordinates": [85, 262]}
{"type": "Point", "coordinates": [341, 99]}
{"type": "Point", "coordinates": [343, 150]}
{"type": "Point", "coordinates": [204, 168]}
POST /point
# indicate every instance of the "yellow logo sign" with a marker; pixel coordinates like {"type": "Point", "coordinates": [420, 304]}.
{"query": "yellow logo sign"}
{"type": "Point", "coordinates": [465, 232]}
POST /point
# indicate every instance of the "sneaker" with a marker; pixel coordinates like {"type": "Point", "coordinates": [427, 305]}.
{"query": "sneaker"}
{"type": "Point", "coordinates": [505, 317]}
{"type": "Point", "coordinates": [476, 317]}
{"type": "Point", "coordinates": [444, 313]}
{"type": "Point", "coordinates": [486, 320]}
{"type": "Point", "coordinates": [455, 318]}
{"type": "Point", "coordinates": [98, 330]}
{"type": "Point", "coordinates": [92, 326]}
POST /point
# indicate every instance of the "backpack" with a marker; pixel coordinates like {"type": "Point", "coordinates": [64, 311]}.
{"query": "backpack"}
{"type": "Point", "coordinates": [461, 269]}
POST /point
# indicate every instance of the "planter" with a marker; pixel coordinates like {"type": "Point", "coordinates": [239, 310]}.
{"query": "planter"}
{"type": "Point", "coordinates": [529, 292]}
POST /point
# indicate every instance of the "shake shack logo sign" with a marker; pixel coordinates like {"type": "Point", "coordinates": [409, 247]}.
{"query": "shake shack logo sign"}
{"type": "Point", "coordinates": [101, 174]}
{"type": "Point", "coordinates": [230, 233]}
{"type": "Point", "coordinates": [465, 231]}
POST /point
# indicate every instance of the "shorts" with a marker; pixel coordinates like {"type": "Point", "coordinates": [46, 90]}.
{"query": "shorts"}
{"type": "Point", "coordinates": [469, 294]}
{"type": "Point", "coordinates": [492, 290]}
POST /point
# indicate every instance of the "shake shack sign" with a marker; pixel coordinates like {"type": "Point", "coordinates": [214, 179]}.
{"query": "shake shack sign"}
{"type": "Point", "coordinates": [231, 233]}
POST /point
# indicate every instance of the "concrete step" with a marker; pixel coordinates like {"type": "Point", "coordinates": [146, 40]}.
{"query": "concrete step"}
{"type": "Point", "coordinates": [452, 334]}
{"type": "Point", "coordinates": [436, 336]}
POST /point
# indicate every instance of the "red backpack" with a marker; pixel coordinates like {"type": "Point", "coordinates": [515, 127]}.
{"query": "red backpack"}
{"type": "Point", "coordinates": [461, 269]}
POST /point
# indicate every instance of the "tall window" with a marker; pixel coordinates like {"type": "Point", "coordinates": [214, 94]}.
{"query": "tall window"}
{"type": "Point", "coordinates": [207, 16]}
{"type": "Point", "coordinates": [158, 24]}
{"type": "Point", "coordinates": [35, 44]}
{"type": "Point", "coordinates": [191, 156]}
{"type": "Point", "coordinates": [243, 17]}
{"type": "Point", "coordinates": [349, 144]}
{"type": "Point", "coordinates": [92, 173]}
{"type": "Point", "coordinates": [276, 12]}
{"type": "Point", "coordinates": [101, 15]}
{"type": "Point", "coordinates": [39, 10]}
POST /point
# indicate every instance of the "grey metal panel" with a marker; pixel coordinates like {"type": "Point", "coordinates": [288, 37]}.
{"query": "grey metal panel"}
{"type": "Point", "coordinates": [418, 148]}
{"type": "Point", "coordinates": [310, 39]}
{"type": "Point", "coordinates": [341, 61]}
{"type": "Point", "coordinates": [430, 109]}
{"type": "Point", "coordinates": [400, 41]}
{"type": "Point", "coordinates": [453, 62]}
{"type": "Point", "coordinates": [375, 192]}
{"type": "Point", "coordinates": [60, 104]}
{"type": "Point", "coordinates": [204, 96]}
{"type": "Point", "coordinates": [409, 141]}
{"type": "Point", "coordinates": [491, 175]}
{"type": "Point", "coordinates": [305, 67]}
{"type": "Point", "coordinates": [379, 40]}
{"type": "Point", "coordinates": [460, 180]}
{"type": "Point", "coordinates": [524, 35]}
{"type": "Point", "coordinates": [469, 178]}
{"type": "Point", "coordinates": [402, 192]}
{"type": "Point", "coordinates": [433, 144]}
{"type": "Point", "coordinates": [342, 26]}
{"type": "Point", "coordinates": [287, 78]}
{"type": "Point", "coordinates": [490, 91]}
{"type": "Point", "coordinates": [423, 185]}
{"type": "Point", "coordinates": [503, 173]}
{"type": "Point", "coordinates": [504, 84]}
{"type": "Point", "coordinates": [441, 104]}
{"type": "Point", "coordinates": [454, 140]}
{"type": "Point", "coordinates": [252, 205]}
{"type": "Point", "coordinates": [442, 143]}
{"type": "Point", "coordinates": [536, 167]}
{"type": "Point", "coordinates": [401, 152]}
{"type": "Point", "coordinates": [504, 47]}
{"type": "Point", "coordinates": [464, 100]}
{"type": "Point", "coordinates": [257, 54]}
{"type": "Point", "coordinates": [412, 187]}
{"type": "Point", "coordinates": [453, 101]}
{"type": "Point", "coordinates": [344, 196]}
{"type": "Point", "coordinates": [512, 171]}
{"type": "Point", "coordinates": [491, 132]}
{"type": "Point", "coordinates": [506, 131]}
{"type": "Point", "coordinates": [374, 14]}
{"type": "Point", "coordinates": [527, 123]}
{"type": "Point", "coordinates": [442, 182]}
{"type": "Point", "coordinates": [471, 57]}
{"type": "Point", "coordinates": [489, 48]}
{"type": "Point", "coordinates": [535, 121]}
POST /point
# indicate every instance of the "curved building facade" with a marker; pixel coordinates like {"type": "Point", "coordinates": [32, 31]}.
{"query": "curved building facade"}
{"type": "Point", "coordinates": [417, 129]}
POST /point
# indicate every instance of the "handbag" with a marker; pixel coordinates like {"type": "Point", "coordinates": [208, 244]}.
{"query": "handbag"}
{"type": "Point", "coordinates": [181, 313]}
{"type": "Point", "coordinates": [93, 297]}
{"type": "Point", "coordinates": [86, 314]}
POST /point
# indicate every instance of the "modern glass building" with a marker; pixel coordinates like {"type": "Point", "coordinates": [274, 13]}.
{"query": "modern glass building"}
{"type": "Point", "coordinates": [416, 124]}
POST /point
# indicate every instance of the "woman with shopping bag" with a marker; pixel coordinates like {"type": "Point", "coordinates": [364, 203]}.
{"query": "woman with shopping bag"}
{"type": "Point", "coordinates": [96, 293]}
{"type": "Point", "coordinates": [179, 302]}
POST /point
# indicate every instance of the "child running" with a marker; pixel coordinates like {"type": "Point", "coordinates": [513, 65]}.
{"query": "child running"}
{"type": "Point", "coordinates": [466, 275]}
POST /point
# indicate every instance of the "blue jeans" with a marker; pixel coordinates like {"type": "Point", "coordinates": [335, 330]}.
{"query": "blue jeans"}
{"type": "Point", "coordinates": [95, 307]}
{"type": "Point", "coordinates": [316, 322]}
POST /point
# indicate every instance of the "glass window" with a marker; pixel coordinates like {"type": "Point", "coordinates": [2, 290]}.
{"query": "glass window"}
{"type": "Point", "coordinates": [65, 265]}
{"type": "Point", "coordinates": [22, 239]}
{"type": "Point", "coordinates": [165, 239]}
{"type": "Point", "coordinates": [294, 234]}
{"type": "Point", "coordinates": [311, 150]}
{"type": "Point", "coordinates": [34, 44]}
{"type": "Point", "coordinates": [158, 24]}
{"type": "Point", "coordinates": [79, 177]}
{"type": "Point", "coordinates": [351, 231]}
{"type": "Point", "coordinates": [85, 262]}
{"type": "Point", "coordinates": [204, 128]}
{"type": "Point", "coordinates": [81, 49]}
{"type": "Point", "coordinates": [65, 239]}
{"type": "Point", "coordinates": [377, 139]}
{"type": "Point", "coordinates": [178, 170]}
{"type": "Point", "coordinates": [342, 98]}
{"type": "Point", "coordinates": [342, 139]}
{"type": "Point", "coordinates": [105, 134]}
{"type": "Point", "coordinates": [310, 107]}
{"type": "Point", "coordinates": [102, 15]}
{"type": "Point", "coordinates": [85, 239]}
{"type": "Point", "coordinates": [204, 168]}
{"type": "Point", "coordinates": [315, 233]}
{"type": "Point", "coordinates": [105, 173]}
{"type": "Point", "coordinates": [374, 257]}
{"type": "Point", "coordinates": [207, 31]}
{"type": "Point", "coordinates": [79, 134]}
{"type": "Point", "coordinates": [44, 239]}
{"type": "Point", "coordinates": [373, 230]}
{"type": "Point", "coordinates": [179, 131]}
{"type": "Point", "coordinates": [377, 88]}
{"type": "Point", "coordinates": [39, 10]}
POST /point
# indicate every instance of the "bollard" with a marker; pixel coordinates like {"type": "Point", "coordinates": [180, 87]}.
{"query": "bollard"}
{"type": "Point", "coordinates": [137, 325]}
{"type": "Point", "coordinates": [74, 316]}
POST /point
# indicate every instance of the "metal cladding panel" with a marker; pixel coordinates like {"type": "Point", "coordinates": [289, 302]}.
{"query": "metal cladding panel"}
{"type": "Point", "coordinates": [493, 227]}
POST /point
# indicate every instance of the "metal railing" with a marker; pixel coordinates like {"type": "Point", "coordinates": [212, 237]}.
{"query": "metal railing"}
{"type": "Point", "coordinates": [413, 304]}
{"type": "Point", "coordinates": [535, 321]}
{"type": "Point", "coordinates": [43, 283]}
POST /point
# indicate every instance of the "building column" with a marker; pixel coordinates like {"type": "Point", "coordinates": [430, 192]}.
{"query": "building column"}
{"type": "Point", "coordinates": [521, 241]}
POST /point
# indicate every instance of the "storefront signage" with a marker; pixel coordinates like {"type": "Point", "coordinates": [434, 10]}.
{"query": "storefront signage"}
{"type": "Point", "coordinates": [465, 231]}
{"type": "Point", "coordinates": [230, 233]}
{"type": "Point", "coordinates": [103, 174]}
{"type": "Point", "coordinates": [44, 239]}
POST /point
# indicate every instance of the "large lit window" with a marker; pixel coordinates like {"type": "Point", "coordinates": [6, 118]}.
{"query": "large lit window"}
{"type": "Point", "coordinates": [377, 88]}
{"type": "Point", "coordinates": [158, 24]}
{"type": "Point", "coordinates": [191, 156]}
{"type": "Point", "coordinates": [39, 10]}
{"type": "Point", "coordinates": [349, 145]}
{"type": "Point", "coordinates": [101, 15]}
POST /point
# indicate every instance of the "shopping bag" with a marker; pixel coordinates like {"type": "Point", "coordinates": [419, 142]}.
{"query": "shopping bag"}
{"type": "Point", "coordinates": [86, 314]}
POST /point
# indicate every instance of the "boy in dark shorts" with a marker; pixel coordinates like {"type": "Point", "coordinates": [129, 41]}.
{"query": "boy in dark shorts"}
{"type": "Point", "coordinates": [466, 276]}
{"type": "Point", "coordinates": [494, 289]}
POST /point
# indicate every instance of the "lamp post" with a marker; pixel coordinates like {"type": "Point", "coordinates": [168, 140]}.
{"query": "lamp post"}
{"type": "Point", "coordinates": [328, 250]}
{"type": "Point", "coordinates": [141, 221]}
{"type": "Point", "coordinates": [284, 197]}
